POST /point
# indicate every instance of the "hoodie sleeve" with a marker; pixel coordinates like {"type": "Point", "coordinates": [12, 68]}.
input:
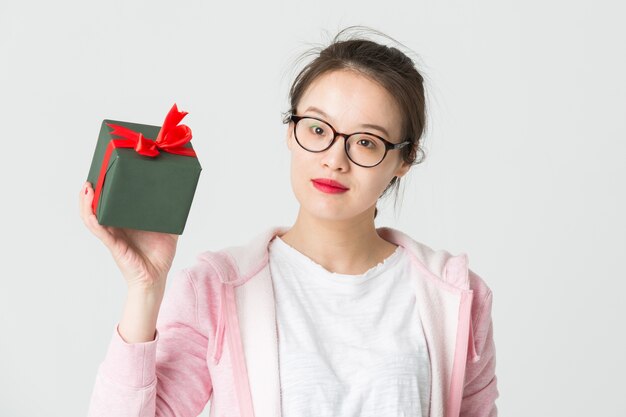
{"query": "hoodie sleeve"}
{"type": "Point", "coordinates": [480, 389]}
{"type": "Point", "coordinates": [164, 377]}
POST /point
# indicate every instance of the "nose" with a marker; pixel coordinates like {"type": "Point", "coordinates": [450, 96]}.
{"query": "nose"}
{"type": "Point", "coordinates": [335, 157]}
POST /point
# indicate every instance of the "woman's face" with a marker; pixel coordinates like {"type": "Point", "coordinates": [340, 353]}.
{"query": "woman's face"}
{"type": "Point", "coordinates": [348, 101]}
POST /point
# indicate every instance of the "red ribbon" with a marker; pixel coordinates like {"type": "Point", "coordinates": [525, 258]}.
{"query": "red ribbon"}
{"type": "Point", "coordinates": [171, 138]}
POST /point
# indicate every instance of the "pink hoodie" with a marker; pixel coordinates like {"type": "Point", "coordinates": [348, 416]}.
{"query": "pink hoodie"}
{"type": "Point", "coordinates": [217, 339]}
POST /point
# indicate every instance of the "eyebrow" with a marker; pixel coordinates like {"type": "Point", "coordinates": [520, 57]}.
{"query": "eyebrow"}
{"type": "Point", "coordinates": [366, 125]}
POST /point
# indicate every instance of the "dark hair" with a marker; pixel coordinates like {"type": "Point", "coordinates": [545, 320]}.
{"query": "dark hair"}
{"type": "Point", "coordinates": [387, 66]}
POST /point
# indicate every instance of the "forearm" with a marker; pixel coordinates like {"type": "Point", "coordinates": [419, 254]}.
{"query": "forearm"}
{"type": "Point", "coordinates": [138, 323]}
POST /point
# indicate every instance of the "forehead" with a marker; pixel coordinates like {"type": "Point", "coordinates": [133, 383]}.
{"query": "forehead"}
{"type": "Point", "coordinates": [350, 100]}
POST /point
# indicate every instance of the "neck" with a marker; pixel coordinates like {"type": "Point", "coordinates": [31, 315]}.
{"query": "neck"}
{"type": "Point", "coordinates": [343, 246]}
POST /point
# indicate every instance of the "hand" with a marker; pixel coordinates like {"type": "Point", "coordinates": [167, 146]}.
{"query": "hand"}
{"type": "Point", "coordinates": [143, 257]}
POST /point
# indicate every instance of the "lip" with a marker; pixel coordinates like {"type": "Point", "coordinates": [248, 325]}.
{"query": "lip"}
{"type": "Point", "coordinates": [328, 186]}
{"type": "Point", "coordinates": [329, 182]}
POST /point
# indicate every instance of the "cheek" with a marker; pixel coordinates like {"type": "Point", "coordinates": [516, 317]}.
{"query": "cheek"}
{"type": "Point", "coordinates": [375, 186]}
{"type": "Point", "coordinates": [299, 170]}
{"type": "Point", "coordinates": [302, 162]}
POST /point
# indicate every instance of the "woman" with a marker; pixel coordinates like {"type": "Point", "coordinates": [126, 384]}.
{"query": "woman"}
{"type": "Point", "coordinates": [330, 316]}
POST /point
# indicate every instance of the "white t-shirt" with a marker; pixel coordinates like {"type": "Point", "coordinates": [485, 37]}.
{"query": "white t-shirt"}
{"type": "Point", "coordinates": [349, 345]}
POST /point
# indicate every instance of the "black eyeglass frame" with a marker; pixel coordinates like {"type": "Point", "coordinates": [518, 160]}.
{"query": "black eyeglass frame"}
{"type": "Point", "coordinates": [388, 145]}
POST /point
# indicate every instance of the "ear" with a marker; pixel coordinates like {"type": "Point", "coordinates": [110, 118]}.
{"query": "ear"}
{"type": "Point", "coordinates": [402, 169]}
{"type": "Point", "coordinates": [288, 134]}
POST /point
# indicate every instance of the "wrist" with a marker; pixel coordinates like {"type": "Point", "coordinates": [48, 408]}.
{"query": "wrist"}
{"type": "Point", "coordinates": [147, 292]}
{"type": "Point", "coordinates": [140, 315]}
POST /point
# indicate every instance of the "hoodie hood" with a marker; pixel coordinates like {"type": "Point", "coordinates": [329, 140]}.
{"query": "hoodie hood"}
{"type": "Point", "coordinates": [245, 261]}
{"type": "Point", "coordinates": [235, 265]}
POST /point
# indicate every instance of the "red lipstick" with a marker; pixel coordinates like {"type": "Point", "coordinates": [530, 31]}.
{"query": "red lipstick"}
{"type": "Point", "coordinates": [329, 186]}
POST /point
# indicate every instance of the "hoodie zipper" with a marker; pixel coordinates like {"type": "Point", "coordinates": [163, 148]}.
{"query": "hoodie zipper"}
{"type": "Point", "coordinates": [457, 379]}
{"type": "Point", "coordinates": [226, 326]}
{"type": "Point", "coordinates": [280, 389]}
{"type": "Point", "coordinates": [245, 403]}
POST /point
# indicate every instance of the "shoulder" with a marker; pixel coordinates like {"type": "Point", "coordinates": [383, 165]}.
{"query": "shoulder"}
{"type": "Point", "coordinates": [453, 269]}
{"type": "Point", "coordinates": [479, 286]}
{"type": "Point", "coordinates": [199, 282]}
{"type": "Point", "coordinates": [481, 314]}
{"type": "Point", "coordinates": [208, 269]}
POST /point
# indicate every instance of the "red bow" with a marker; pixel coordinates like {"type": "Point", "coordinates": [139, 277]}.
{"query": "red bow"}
{"type": "Point", "coordinates": [171, 138]}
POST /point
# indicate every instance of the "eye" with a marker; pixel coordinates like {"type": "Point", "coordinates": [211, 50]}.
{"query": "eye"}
{"type": "Point", "coordinates": [368, 143]}
{"type": "Point", "coordinates": [317, 129]}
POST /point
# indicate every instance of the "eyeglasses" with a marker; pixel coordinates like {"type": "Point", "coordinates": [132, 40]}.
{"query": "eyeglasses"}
{"type": "Point", "coordinates": [363, 148]}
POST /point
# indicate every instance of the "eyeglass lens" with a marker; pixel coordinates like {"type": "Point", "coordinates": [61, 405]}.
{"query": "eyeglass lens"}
{"type": "Point", "coordinates": [315, 135]}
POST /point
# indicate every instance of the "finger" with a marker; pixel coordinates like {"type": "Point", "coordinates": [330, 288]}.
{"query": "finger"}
{"type": "Point", "coordinates": [84, 203]}
{"type": "Point", "coordinates": [90, 220]}
{"type": "Point", "coordinates": [81, 195]}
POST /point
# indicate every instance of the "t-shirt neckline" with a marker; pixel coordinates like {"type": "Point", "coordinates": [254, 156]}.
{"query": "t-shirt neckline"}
{"type": "Point", "coordinates": [292, 254]}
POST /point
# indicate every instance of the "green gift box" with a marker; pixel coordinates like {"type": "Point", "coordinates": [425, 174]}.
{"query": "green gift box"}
{"type": "Point", "coordinates": [144, 176]}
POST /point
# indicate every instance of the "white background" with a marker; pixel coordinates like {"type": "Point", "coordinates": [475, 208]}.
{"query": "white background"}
{"type": "Point", "coordinates": [525, 170]}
